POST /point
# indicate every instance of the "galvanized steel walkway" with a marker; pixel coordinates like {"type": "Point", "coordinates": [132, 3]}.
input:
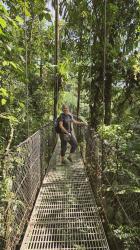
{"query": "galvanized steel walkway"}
{"type": "Point", "coordinates": [65, 215]}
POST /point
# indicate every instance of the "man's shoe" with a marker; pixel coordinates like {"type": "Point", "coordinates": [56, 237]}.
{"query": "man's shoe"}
{"type": "Point", "coordinates": [70, 159]}
{"type": "Point", "coordinates": [65, 162]}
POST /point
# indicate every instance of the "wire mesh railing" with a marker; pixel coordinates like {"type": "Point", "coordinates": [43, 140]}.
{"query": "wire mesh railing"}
{"type": "Point", "coordinates": [26, 166]}
{"type": "Point", "coordinates": [65, 214]}
{"type": "Point", "coordinates": [115, 185]}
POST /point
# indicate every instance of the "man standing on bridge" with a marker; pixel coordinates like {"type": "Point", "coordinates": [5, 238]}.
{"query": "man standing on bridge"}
{"type": "Point", "coordinates": [66, 136]}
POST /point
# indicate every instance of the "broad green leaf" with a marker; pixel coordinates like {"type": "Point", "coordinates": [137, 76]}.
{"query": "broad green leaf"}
{"type": "Point", "coordinates": [27, 13]}
{"type": "Point", "coordinates": [5, 63]}
{"type": "Point", "coordinates": [3, 22]}
{"type": "Point", "coordinates": [19, 20]}
{"type": "Point", "coordinates": [8, 47]}
{"type": "Point", "coordinates": [21, 104]}
{"type": "Point", "coordinates": [22, 58]}
{"type": "Point", "coordinates": [11, 118]}
{"type": "Point", "coordinates": [3, 101]}
{"type": "Point", "coordinates": [13, 22]}
{"type": "Point", "coordinates": [3, 92]}
{"type": "Point", "coordinates": [13, 64]}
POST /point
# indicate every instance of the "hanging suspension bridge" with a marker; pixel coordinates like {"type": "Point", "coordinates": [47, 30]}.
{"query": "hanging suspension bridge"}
{"type": "Point", "coordinates": [55, 206]}
{"type": "Point", "coordinates": [65, 214]}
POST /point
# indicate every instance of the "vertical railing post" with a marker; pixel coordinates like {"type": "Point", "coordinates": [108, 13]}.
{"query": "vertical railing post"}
{"type": "Point", "coordinates": [90, 156]}
{"type": "Point", "coordinates": [98, 168]}
{"type": "Point", "coordinates": [93, 162]}
{"type": "Point", "coordinates": [42, 154]}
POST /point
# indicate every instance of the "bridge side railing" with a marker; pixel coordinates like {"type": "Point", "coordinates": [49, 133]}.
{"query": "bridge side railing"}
{"type": "Point", "coordinates": [27, 166]}
{"type": "Point", "coordinates": [112, 175]}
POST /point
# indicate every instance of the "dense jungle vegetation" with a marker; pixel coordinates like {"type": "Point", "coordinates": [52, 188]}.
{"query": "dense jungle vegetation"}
{"type": "Point", "coordinates": [98, 76]}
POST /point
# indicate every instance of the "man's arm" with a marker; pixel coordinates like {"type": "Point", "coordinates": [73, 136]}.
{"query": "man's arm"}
{"type": "Point", "coordinates": [78, 122]}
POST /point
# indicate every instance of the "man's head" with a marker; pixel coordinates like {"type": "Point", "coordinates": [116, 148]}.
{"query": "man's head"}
{"type": "Point", "coordinates": [65, 109]}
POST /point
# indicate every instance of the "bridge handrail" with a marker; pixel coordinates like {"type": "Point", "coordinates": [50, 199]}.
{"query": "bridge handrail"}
{"type": "Point", "coordinates": [97, 155]}
{"type": "Point", "coordinates": [28, 164]}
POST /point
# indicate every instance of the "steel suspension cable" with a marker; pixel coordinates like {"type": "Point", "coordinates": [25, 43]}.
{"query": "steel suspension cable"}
{"type": "Point", "coordinates": [104, 81]}
{"type": "Point", "coordinates": [91, 44]}
{"type": "Point", "coordinates": [26, 70]}
{"type": "Point", "coordinates": [104, 60]}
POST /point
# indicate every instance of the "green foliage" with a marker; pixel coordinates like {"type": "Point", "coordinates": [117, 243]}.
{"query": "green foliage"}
{"type": "Point", "coordinates": [129, 235]}
{"type": "Point", "coordinates": [17, 103]}
{"type": "Point", "coordinates": [30, 98]}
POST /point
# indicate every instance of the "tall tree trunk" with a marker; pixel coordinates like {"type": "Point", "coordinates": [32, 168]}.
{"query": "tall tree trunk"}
{"type": "Point", "coordinates": [41, 70]}
{"type": "Point", "coordinates": [56, 82]}
{"type": "Point", "coordinates": [79, 92]}
{"type": "Point", "coordinates": [29, 34]}
{"type": "Point", "coordinates": [108, 97]}
{"type": "Point", "coordinates": [96, 101]}
{"type": "Point", "coordinates": [80, 69]}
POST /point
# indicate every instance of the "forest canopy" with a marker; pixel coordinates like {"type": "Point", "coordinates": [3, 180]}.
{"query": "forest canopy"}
{"type": "Point", "coordinates": [96, 72]}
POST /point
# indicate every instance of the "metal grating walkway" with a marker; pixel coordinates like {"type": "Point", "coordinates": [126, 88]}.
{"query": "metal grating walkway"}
{"type": "Point", "coordinates": [65, 215]}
